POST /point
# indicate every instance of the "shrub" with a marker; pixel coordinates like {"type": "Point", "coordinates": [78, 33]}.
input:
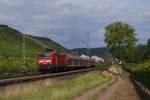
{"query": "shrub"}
{"type": "Point", "coordinates": [141, 72]}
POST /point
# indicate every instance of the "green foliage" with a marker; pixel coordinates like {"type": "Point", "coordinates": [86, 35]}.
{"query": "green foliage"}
{"type": "Point", "coordinates": [138, 54]}
{"type": "Point", "coordinates": [11, 52]}
{"type": "Point", "coordinates": [120, 39]}
{"type": "Point", "coordinates": [147, 54]}
{"type": "Point", "coordinates": [141, 72]}
{"type": "Point", "coordinates": [102, 65]}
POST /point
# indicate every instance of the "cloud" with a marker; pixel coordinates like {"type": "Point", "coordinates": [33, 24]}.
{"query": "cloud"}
{"type": "Point", "coordinates": [68, 20]}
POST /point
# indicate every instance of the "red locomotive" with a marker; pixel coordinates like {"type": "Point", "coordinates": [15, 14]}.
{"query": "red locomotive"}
{"type": "Point", "coordinates": [50, 61]}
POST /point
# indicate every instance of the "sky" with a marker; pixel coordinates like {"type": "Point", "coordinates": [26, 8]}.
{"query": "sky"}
{"type": "Point", "coordinates": [67, 21]}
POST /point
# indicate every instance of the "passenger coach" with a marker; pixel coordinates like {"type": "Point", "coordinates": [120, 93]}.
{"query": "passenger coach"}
{"type": "Point", "coordinates": [50, 61]}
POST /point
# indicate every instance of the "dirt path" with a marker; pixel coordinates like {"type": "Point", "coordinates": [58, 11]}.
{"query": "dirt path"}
{"type": "Point", "coordinates": [125, 91]}
{"type": "Point", "coordinates": [106, 95]}
{"type": "Point", "coordinates": [117, 89]}
{"type": "Point", "coordinates": [122, 90]}
{"type": "Point", "coordinates": [94, 92]}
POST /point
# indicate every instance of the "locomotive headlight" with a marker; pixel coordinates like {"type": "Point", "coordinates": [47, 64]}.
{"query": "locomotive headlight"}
{"type": "Point", "coordinates": [41, 61]}
{"type": "Point", "coordinates": [49, 61]}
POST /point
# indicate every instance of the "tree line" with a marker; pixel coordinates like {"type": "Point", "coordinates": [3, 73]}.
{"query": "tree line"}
{"type": "Point", "coordinates": [121, 41]}
{"type": "Point", "coordinates": [141, 53]}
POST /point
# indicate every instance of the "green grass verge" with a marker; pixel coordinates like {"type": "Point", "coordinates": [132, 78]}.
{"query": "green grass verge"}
{"type": "Point", "coordinates": [63, 90]}
{"type": "Point", "coordinates": [102, 65]}
{"type": "Point", "coordinates": [141, 72]}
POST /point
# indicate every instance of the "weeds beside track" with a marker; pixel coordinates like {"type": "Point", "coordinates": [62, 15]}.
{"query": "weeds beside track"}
{"type": "Point", "coordinates": [17, 80]}
{"type": "Point", "coordinates": [62, 90]}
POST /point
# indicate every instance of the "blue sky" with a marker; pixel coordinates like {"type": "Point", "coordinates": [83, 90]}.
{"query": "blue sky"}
{"type": "Point", "coordinates": [67, 21]}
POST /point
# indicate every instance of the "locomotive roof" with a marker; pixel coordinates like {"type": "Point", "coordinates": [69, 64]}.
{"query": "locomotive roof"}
{"type": "Point", "coordinates": [76, 57]}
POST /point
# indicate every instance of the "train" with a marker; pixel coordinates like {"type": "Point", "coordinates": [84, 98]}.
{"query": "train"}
{"type": "Point", "coordinates": [51, 61]}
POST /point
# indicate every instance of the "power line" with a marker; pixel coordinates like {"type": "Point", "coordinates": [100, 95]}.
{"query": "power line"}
{"type": "Point", "coordinates": [88, 43]}
{"type": "Point", "coordinates": [24, 52]}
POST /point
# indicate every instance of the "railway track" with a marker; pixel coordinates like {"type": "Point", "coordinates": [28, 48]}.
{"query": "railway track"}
{"type": "Point", "coordinates": [23, 79]}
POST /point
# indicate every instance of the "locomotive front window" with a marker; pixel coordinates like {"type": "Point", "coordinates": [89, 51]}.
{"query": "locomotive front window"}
{"type": "Point", "coordinates": [44, 55]}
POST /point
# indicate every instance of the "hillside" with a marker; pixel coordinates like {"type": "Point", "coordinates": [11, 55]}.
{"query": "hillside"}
{"type": "Point", "coordinates": [51, 43]}
{"type": "Point", "coordinates": [101, 52]}
{"type": "Point", "coordinates": [11, 50]}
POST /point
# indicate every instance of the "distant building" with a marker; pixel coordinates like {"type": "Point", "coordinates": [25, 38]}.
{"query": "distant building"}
{"type": "Point", "coordinates": [84, 56]}
{"type": "Point", "coordinates": [98, 59]}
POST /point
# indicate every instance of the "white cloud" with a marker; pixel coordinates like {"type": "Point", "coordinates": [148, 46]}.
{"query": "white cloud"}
{"type": "Point", "coordinates": [72, 18]}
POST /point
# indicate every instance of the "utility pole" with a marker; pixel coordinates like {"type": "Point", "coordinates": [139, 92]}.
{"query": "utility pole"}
{"type": "Point", "coordinates": [23, 67]}
{"type": "Point", "coordinates": [24, 54]}
{"type": "Point", "coordinates": [88, 43]}
{"type": "Point", "coordinates": [108, 55]}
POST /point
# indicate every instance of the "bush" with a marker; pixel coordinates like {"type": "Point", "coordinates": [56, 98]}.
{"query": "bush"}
{"type": "Point", "coordinates": [141, 72]}
{"type": "Point", "coordinates": [11, 66]}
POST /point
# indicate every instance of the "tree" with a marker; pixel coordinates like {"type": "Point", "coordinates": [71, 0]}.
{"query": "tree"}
{"type": "Point", "coordinates": [148, 49]}
{"type": "Point", "coordinates": [138, 55]}
{"type": "Point", "coordinates": [120, 39]}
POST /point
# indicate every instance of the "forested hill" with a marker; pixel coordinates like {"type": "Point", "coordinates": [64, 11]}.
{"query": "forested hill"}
{"type": "Point", "coordinates": [11, 50]}
{"type": "Point", "coordinates": [11, 37]}
{"type": "Point", "coordinates": [101, 52]}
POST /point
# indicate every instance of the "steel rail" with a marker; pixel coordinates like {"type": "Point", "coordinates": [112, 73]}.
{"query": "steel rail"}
{"type": "Point", "coordinates": [23, 79]}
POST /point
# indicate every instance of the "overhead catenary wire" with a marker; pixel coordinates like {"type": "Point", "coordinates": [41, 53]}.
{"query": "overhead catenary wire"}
{"type": "Point", "coordinates": [88, 43]}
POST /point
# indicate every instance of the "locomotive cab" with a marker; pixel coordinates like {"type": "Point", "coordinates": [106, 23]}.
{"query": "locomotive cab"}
{"type": "Point", "coordinates": [44, 58]}
{"type": "Point", "coordinates": [45, 61]}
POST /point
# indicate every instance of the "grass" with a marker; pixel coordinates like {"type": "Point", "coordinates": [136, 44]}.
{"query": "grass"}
{"type": "Point", "coordinates": [101, 92]}
{"type": "Point", "coordinates": [141, 72]}
{"type": "Point", "coordinates": [63, 90]}
{"type": "Point", "coordinates": [102, 65]}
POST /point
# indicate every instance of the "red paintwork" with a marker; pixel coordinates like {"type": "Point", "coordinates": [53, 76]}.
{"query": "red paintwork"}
{"type": "Point", "coordinates": [61, 60]}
